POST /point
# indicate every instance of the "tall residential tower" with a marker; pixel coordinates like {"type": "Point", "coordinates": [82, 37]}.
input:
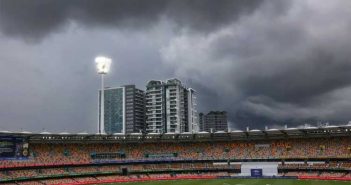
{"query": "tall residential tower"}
{"type": "Point", "coordinates": [155, 107]}
{"type": "Point", "coordinates": [214, 121]}
{"type": "Point", "coordinates": [170, 107]}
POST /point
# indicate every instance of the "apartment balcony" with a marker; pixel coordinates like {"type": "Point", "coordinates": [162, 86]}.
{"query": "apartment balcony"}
{"type": "Point", "coordinates": [152, 113]}
{"type": "Point", "coordinates": [154, 92]}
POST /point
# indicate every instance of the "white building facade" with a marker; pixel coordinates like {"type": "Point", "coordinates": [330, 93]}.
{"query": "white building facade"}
{"type": "Point", "coordinates": [170, 107]}
{"type": "Point", "coordinates": [155, 107]}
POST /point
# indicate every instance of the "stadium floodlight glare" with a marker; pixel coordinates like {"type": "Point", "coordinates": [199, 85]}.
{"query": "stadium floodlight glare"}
{"type": "Point", "coordinates": [103, 64]}
{"type": "Point", "coordinates": [103, 67]}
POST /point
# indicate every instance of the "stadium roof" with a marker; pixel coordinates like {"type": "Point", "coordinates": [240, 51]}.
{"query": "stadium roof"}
{"type": "Point", "coordinates": [26, 132]}
{"type": "Point", "coordinates": [287, 133]}
{"type": "Point", "coordinates": [5, 131]}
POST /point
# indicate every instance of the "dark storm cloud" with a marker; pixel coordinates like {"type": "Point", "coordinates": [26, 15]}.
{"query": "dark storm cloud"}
{"type": "Point", "coordinates": [315, 74]}
{"type": "Point", "coordinates": [35, 19]}
{"type": "Point", "coordinates": [274, 67]}
{"type": "Point", "coordinates": [53, 84]}
{"type": "Point", "coordinates": [265, 62]}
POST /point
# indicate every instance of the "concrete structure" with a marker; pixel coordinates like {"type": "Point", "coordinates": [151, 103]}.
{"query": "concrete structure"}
{"type": "Point", "coordinates": [124, 110]}
{"type": "Point", "coordinates": [235, 135]}
{"type": "Point", "coordinates": [155, 107]}
{"type": "Point", "coordinates": [103, 65]}
{"type": "Point", "coordinates": [170, 107]}
{"type": "Point", "coordinates": [191, 114]}
{"type": "Point", "coordinates": [135, 109]}
{"type": "Point", "coordinates": [201, 122]}
{"type": "Point", "coordinates": [175, 112]}
{"type": "Point", "coordinates": [214, 121]}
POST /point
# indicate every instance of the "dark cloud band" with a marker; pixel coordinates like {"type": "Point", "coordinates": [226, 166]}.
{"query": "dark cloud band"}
{"type": "Point", "coordinates": [265, 62]}
{"type": "Point", "coordinates": [37, 18]}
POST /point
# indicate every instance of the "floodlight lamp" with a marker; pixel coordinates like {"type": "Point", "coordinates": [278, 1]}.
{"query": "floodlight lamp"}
{"type": "Point", "coordinates": [103, 64]}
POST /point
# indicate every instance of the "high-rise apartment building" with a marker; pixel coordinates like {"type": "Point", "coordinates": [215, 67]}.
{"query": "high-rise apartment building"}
{"type": "Point", "coordinates": [135, 109]}
{"type": "Point", "coordinates": [201, 122]}
{"type": "Point", "coordinates": [191, 113]}
{"type": "Point", "coordinates": [170, 107]}
{"type": "Point", "coordinates": [214, 121]}
{"type": "Point", "coordinates": [124, 110]}
{"type": "Point", "coordinates": [155, 107]}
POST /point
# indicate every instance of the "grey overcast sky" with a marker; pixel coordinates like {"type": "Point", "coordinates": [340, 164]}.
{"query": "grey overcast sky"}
{"type": "Point", "coordinates": [265, 62]}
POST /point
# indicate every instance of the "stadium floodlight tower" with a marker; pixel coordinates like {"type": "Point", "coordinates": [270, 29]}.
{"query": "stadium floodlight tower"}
{"type": "Point", "coordinates": [103, 67]}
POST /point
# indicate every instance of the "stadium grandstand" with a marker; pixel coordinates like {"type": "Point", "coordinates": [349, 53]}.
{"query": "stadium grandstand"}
{"type": "Point", "coordinates": [294, 153]}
